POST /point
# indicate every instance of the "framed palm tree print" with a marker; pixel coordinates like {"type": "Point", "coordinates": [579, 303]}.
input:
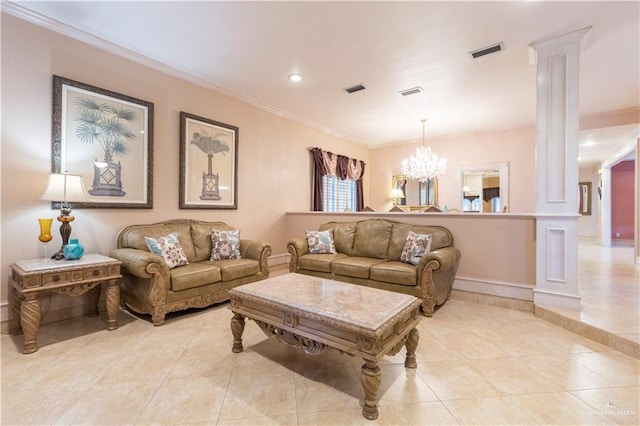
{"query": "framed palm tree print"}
{"type": "Point", "coordinates": [208, 163]}
{"type": "Point", "coordinates": [107, 138]}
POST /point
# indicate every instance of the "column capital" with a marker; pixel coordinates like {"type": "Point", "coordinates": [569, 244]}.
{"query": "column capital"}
{"type": "Point", "coordinates": [551, 42]}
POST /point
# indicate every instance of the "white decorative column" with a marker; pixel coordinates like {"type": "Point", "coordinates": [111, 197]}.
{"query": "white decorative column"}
{"type": "Point", "coordinates": [557, 133]}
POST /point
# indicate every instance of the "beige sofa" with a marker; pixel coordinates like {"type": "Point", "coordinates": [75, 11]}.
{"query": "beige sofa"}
{"type": "Point", "coordinates": [368, 253]}
{"type": "Point", "coordinates": [150, 287]}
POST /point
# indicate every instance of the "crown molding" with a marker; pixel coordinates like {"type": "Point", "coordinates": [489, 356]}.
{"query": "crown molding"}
{"type": "Point", "coordinates": [30, 16]}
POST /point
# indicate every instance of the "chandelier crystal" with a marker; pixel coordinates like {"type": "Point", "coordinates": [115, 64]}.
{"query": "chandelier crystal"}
{"type": "Point", "coordinates": [424, 165]}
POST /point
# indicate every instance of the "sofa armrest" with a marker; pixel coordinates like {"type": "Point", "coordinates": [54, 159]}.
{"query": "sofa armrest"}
{"type": "Point", "coordinates": [436, 273]}
{"type": "Point", "coordinates": [296, 247]}
{"type": "Point", "coordinates": [447, 258]}
{"type": "Point", "coordinates": [256, 250]}
{"type": "Point", "coordinates": [142, 264]}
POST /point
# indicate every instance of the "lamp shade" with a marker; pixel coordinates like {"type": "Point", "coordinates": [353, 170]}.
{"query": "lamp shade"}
{"type": "Point", "coordinates": [396, 193]}
{"type": "Point", "coordinates": [64, 187]}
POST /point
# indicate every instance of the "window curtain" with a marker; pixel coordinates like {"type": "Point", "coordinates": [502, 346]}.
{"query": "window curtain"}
{"type": "Point", "coordinates": [328, 163]}
{"type": "Point", "coordinates": [489, 193]}
{"type": "Point", "coordinates": [403, 186]}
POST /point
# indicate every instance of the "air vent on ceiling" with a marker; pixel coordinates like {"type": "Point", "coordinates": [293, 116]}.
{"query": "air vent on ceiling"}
{"type": "Point", "coordinates": [475, 54]}
{"type": "Point", "coordinates": [356, 88]}
{"type": "Point", "coordinates": [411, 91]}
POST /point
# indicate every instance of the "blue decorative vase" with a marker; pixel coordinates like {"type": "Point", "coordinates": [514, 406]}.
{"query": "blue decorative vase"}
{"type": "Point", "coordinates": [73, 250]}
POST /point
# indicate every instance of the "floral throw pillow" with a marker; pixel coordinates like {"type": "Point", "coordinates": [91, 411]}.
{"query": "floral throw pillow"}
{"type": "Point", "coordinates": [169, 248]}
{"type": "Point", "coordinates": [415, 247]}
{"type": "Point", "coordinates": [225, 244]}
{"type": "Point", "coordinates": [321, 242]}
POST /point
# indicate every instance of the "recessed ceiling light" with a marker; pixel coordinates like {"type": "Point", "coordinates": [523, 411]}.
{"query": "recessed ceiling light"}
{"type": "Point", "coordinates": [588, 143]}
{"type": "Point", "coordinates": [295, 77]}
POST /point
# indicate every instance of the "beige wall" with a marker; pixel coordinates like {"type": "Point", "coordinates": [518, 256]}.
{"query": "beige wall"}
{"type": "Point", "coordinates": [514, 145]}
{"type": "Point", "coordinates": [274, 162]}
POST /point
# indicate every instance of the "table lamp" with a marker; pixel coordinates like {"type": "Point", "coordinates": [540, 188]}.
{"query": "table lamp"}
{"type": "Point", "coordinates": [396, 194]}
{"type": "Point", "coordinates": [63, 188]}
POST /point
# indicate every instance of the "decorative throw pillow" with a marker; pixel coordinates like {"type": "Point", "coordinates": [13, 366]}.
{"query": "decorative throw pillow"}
{"type": "Point", "coordinates": [321, 242]}
{"type": "Point", "coordinates": [415, 247]}
{"type": "Point", "coordinates": [225, 244]}
{"type": "Point", "coordinates": [169, 248]}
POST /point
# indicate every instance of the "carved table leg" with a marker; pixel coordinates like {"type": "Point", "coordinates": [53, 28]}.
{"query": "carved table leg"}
{"type": "Point", "coordinates": [370, 384]}
{"type": "Point", "coordinates": [412, 345]}
{"type": "Point", "coordinates": [30, 319]}
{"type": "Point", "coordinates": [237, 327]}
{"type": "Point", "coordinates": [112, 296]}
{"type": "Point", "coordinates": [16, 300]}
{"type": "Point", "coordinates": [94, 296]}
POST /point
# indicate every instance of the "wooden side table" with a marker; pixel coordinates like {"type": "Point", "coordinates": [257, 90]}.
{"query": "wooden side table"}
{"type": "Point", "coordinates": [71, 277]}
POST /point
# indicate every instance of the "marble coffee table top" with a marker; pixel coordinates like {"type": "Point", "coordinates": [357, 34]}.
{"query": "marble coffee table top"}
{"type": "Point", "coordinates": [357, 305]}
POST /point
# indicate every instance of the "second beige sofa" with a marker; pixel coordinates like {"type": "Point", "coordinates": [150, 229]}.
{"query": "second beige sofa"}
{"type": "Point", "coordinates": [368, 253]}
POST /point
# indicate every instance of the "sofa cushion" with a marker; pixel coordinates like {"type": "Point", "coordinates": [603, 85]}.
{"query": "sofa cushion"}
{"type": "Point", "coordinates": [343, 234]}
{"type": "Point", "coordinates": [357, 267]}
{"type": "Point", "coordinates": [134, 236]}
{"type": "Point", "coordinates": [233, 269]}
{"type": "Point", "coordinates": [415, 247]}
{"type": "Point", "coordinates": [372, 238]}
{"type": "Point", "coordinates": [168, 246]}
{"type": "Point", "coordinates": [225, 244]}
{"type": "Point", "coordinates": [194, 275]}
{"type": "Point", "coordinates": [318, 262]}
{"type": "Point", "coordinates": [321, 242]}
{"type": "Point", "coordinates": [201, 236]}
{"type": "Point", "coordinates": [399, 234]}
{"type": "Point", "coordinates": [395, 272]}
{"type": "Point", "coordinates": [440, 236]}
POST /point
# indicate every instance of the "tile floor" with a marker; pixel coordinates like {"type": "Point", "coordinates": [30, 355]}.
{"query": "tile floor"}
{"type": "Point", "coordinates": [478, 364]}
{"type": "Point", "coordinates": [609, 284]}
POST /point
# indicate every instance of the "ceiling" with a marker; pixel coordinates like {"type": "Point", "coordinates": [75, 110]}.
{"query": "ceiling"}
{"type": "Point", "coordinates": [248, 50]}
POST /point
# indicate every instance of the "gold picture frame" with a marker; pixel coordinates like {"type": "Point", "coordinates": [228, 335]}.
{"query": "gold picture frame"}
{"type": "Point", "coordinates": [208, 163]}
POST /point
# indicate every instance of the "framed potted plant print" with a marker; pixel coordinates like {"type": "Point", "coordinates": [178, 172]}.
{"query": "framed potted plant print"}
{"type": "Point", "coordinates": [107, 138]}
{"type": "Point", "coordinates": [208, 163]}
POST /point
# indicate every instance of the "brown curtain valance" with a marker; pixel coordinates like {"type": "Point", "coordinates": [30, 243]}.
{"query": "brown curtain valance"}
{"type": "Point", "coordinates": [328, 163]}
{"type": "Point", "coordinates": [489, 193]}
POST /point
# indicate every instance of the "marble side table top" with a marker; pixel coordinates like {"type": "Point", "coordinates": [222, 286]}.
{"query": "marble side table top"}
{"type": "Point", "coordinates": [35, 265]}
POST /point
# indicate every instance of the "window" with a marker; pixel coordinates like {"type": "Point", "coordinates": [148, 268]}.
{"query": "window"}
{"type": "Point", "coordinates": [338, 195]}
{"type": "Point", "coordinates": [495, 204]}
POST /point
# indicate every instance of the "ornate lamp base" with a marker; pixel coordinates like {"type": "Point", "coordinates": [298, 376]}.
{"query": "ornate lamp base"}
{"type": "Point", "coordinates": [65, 233]}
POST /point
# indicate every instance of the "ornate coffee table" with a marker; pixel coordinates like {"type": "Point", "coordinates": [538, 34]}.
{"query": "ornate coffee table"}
{"type": "Point", "coordinates": [312, 313]}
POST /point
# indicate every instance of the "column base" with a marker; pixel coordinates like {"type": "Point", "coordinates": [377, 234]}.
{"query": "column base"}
{"type": "Point", "coordinates": [556, 299]}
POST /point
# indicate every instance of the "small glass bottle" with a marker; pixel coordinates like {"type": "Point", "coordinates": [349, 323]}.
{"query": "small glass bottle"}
{"type": "Point", "coordinates": [73, 250]}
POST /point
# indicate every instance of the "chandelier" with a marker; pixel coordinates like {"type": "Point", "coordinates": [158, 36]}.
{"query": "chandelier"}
{"type": "Point", "coordinates": [424, 165]}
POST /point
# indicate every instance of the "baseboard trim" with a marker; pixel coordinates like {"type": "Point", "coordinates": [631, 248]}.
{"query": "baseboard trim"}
{"type": "Point", "coordinates": [502, 289]}
{"type": "Point", "coordinates": [487, 299]}
{"type": "Point", "coordinates": [278, 259]}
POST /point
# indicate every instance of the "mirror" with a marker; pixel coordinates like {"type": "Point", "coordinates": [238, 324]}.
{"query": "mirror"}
{"type": "Point", "coordinates": [484, 188]}
{"type": "Point", "coordinates": [584, 208]}
{"type": "Point", "coordinates": [416, 194]}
